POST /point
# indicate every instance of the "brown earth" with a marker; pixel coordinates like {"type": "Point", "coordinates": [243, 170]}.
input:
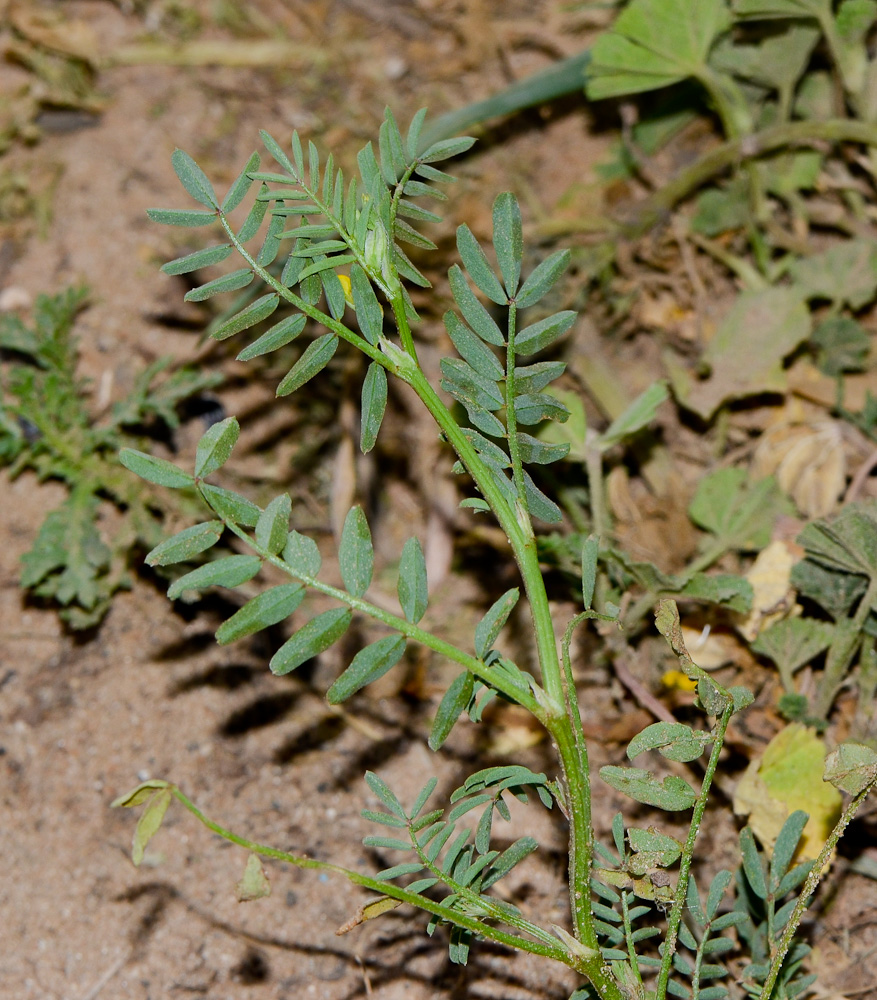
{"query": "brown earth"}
{"type": "Point", "coordinates": [150, 694]}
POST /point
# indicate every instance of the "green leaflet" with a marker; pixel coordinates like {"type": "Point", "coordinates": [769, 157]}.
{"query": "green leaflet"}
{"type": "Point", "coordinates": [412, 587]}
{"type": "Point", "coordinates": [368, 310]}
{"type": "Point", "coordinates": [241, 185]}
{"type": "Point", "coordinates": [673, 793]}
{"type": "Point", "coordinates": [302, 554]}
{"type": "Point", "coordinates": [155, 470]}
{"type": "Point", "coordinates": [542, 279]}
{"type": "Point", "coordinates": [374, 403]}
{"type": "Point", "coordinates": [277, 336]}
{"type": "Point", "coordinates": [476, 263]}
{"type": "Point", "coordinates": [193, 178]}
{"type": "Point", "coordinates": [472, 349]}
{"type": "Point", "coordinates": [487, 630]}
{"type": "Point", "coordinates": [200, 258]}
{"type": "Point", "coordinates": [310, 640]}
{"type": "Point", "coordinates": [473, 311]}
{"type": "Point", "coordinates": [180, 217]}
{"type": "Point", "coordinates": [454, 702]}
{"type": "Point", "coordinates": [508, 240]}
{"type": "Point", "coordinates": [672, 739]}
{"type": "Point", "coordinates": [314, 359]}
{"type": "Point", "coordinates": [272, 527]}
{"type": "Point", "coordinates": [186, 544]}
{"type": "Point", "coordinates": [215, 446]}
{"type": "Point", "coordinates": [230, 571]}
{"type": "Point", "coordinates": [230, 506]}
{"type": "Point", "coordinates": [542, 334]}
{"type": "Point", "coordinates": [227, 283]}
{"type": "Point", "coordinates": [262, 611]}
{"type": "Point", "coordinates": [355, 553]}
{"type": "Point", "coordinates": [368, 665]}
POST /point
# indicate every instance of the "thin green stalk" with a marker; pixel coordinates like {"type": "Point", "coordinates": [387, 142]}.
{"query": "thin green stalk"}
{"type": "Point", "coordinates": [511, 420]}
{"type": "Point", "coordinates": [541, 947]}
{"type": "Point", "coordinates": [594, 470]}
{"type": "Point", "coordinates": [628, 935]}
{"type": "Point", "coordinates": [475, 666]}
{"type": "Point", "coordinates": [678, 908]}
{"type": "Point", "coordinates": [819, 868]}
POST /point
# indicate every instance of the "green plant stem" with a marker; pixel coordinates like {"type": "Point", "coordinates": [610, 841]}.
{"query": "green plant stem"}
{"type": "Point", "coordinates": [596, 492]}
{"type": "Point", "coordinates": [511, 420]}
{"type": "Point", "coordinates": [628, 935]}
{"type": "Point", "coordinates": [809, 887]}
{"type": "Point", "coordinates": [540, 947]}
{"type": "Point", "coordinates": [494, 678]}
{"type": "Point", "coordinates": [804, 133]}
{"type": "Point", "coordinates": [678, 908]}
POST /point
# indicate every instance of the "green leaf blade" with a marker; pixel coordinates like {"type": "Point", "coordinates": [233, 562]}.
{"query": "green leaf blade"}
{"type": "Point", "coordinates": [412, 587]}
{"type": "Point", "coordinates": [476, 263]}
{"type": "Point", "coordinates": [314, 359]}
{"type": "Point", "coordinates": [261, 612]}
{"type": "Point", "coordinates": [488, 629]}
{"type": "Point", "coordinates": [230, 571]}
{"type": "Point", "coordinates": [186, 544]}
{"type": "Point", "coordinates": [374, 404]}
{"type": "Point", "coordinates": [155, 470]}
{"type": "Point", "coordinates": [310, 640]}
{"type": "Point", "coordinates": [368, 665]}
{"type": "Point", "coordinates": [508, 240]}
{"type": "Point", "coordinates": [355, 553]}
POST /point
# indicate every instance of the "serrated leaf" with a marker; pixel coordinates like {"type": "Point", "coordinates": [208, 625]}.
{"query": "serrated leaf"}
{"type": "Point", "coordinates": [374, 403]}
{"type": "Point", "coordinates": [636, 417]}
{"type": "Point", "coordinates": [150, 822]}
{"type": "Point", "coordinates": [453, 704]}
{"type": "Point", "coordinates": [312, 639]}
{"type": "Point", "coordinates": [476, 263]}
{"type": "Point", "coordinates": [200, 258]}
{"type": "Point", "coordinates": [272, 527]}
{"type": "Point", "coordinates": [848, 542]}
{"type": "Point", "coordinates": [538, 336]}
{"type": "Point", "coordinates": [215, 446]}
{"type": "Point", "coordinates": [368, 665]}
{"type": "Point", "coordinates": [180, 217]}
{"type": "Point", "coordinates": [655, 44]}
{"type": "Point", "coordinates": [302, 555]}
{"type": "Point", "coordinates": [227, 283]}
{"type": "Point", "coordinates": [793, 642]}
{"type": "Point", "coordinates": [314, 359]}
{"type": "Point", "coordinates": [412, 586]}
{"type": "Point", "coordinates": [508, 240]}
{"type": "Point", "coordinates": [487, 630]}
{"type": "Point", "coordinates": [230, 506]}
{"type": "Point", "coordinates": [846, 273]}
{"type": "Point", "coordinates": [155, 470]}
{"type": "Point", "coordinates": [740, 514]}
{"type": "Point", "coordinates": [474, 312]}
{"type": "Point", "coordinates": [241, 185]}
{"type": "Point", "coordinates": [186, 544]}
{"type": "Point", "coordinates": [261, 612]}
{"type": "Point", "coordinates": [355, 553]}
{"type": "Point", "coordinates": [672, 793]}
{"type": "Point", "coordinates": [279, 335]}
{"type": "Point", "coordinates": [672, 739]}
{"type": "Point", "coordinates": [254, 883]}
{"type": "Point", "coordinates": [542, 279]}
{"type": "Point", "coordinates": [230, 571]}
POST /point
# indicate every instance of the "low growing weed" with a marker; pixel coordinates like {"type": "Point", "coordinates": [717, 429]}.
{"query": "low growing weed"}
{"type": "Point", "coordinates": [639, 926]}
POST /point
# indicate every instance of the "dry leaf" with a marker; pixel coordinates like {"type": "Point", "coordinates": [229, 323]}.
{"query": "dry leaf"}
{"type": "Point", "coordinates": [788, 776]}
{"type": "Point", "coordinates": [773, 596]}
{"type": "Point", "coordinates": [710, 648]}
{"type": "Point", "coordinates": [808, 461]}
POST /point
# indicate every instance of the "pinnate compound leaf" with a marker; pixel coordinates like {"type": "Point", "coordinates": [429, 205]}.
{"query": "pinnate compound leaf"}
{"type": "Point", "coordinates": [314, 359]}
{"type": "Point", "coordinates": [355, 553]}
{"type": "Point", "coordinates": [254, 884]}
{"type": "Point", "coordinates": [487, 630]}
{"type": "Point", "coordinates": [302, 554]}
{"type": "Point", "coordinates": [261, 612]}
{"type": "Point", "coordinates": [227, 283]}
{"type": "Point", "coordinates": [655, 43]}
{"type": "Point", "coordinates": [368, 665]}
{"type": "Point", "coordinates": [200, 258]}
{"type": "Point", "coordinates": [412, 587]}
{"type": "Point", "coordinates": [150, 822]}
{"type": "Point", "coordinates": [542, 334]}
{"type": "Point", "coordinates": [851, 767]}
{"type": "Point", "coordinates": [186, 544]}
{"type": "Point", "coordinates": [155, 470]}
{"type": "Point", "coordinates": [241, 185]}
{"type": "Point", "coordinates": [542, 279]}
{"type": "Point", "coordinates": [672, 793]}
{"type": "Point", "coordinates": [475, 314]}
{"type": "Point", "coordinates": [230, 506]}
{"type": "Point", "coordinates": [311, 640]}
{"type": "Point", "coordinates": [476, 263]}
{"type": "Point", "coordinates": [453, 704]}
{"type": "Point", "coordinates": [672, 739]}
{"type": "Point", "coordinates": [215, 446]}
{"type": "Point", "coordinates": [254, 313]}
{"type": "Point", "coordinates": [193, 178]}
{"type": "Point", "coordinates": [374, 403]}
{"type": "Point", "coordinates": [190, 219]}
{"type": "Point", "coordinates": [231, 571]}
{"type": "Point", "coordinates": [636, 417]}
{"type": "Point", "coordinates": [508, 240]}
{"type": "Point", "coordinates": [272, 527]}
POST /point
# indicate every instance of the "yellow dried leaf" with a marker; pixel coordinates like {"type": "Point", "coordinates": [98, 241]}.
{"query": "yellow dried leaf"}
{"type": "Point", "coordinates": [788, 776]}
{"type": "Point", "coordinates": [773, 597]}
{"type": "Point", "coordinates": [369, 911]}
{"type": "Point", "coordinates": [808, 461]}
{"type": "Point", "coordinates": [710, 648]}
